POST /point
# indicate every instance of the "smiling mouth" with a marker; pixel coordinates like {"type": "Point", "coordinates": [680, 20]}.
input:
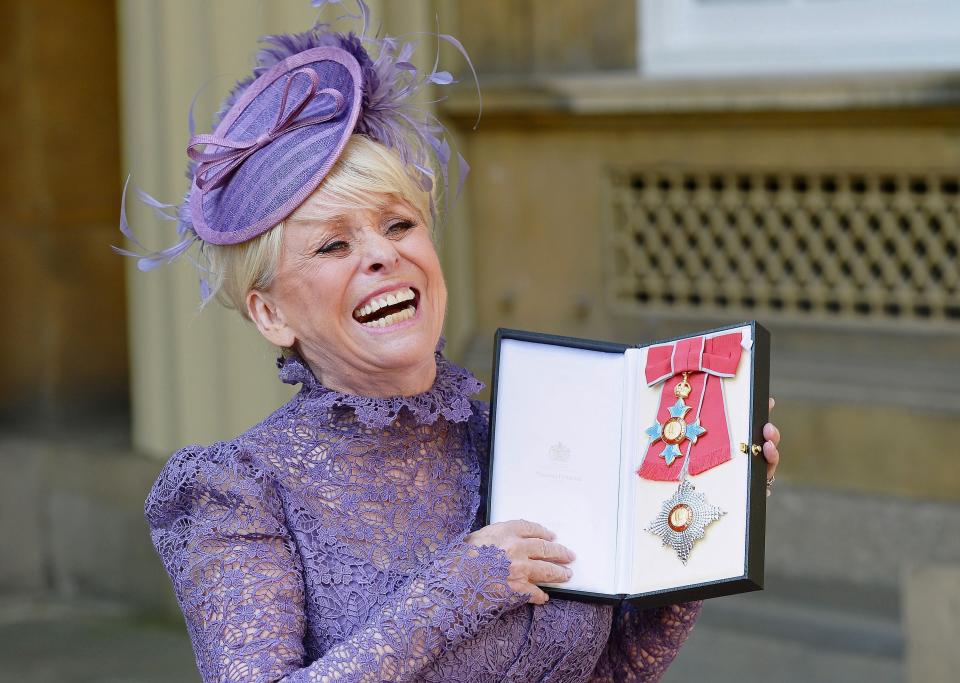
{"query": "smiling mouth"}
{"type": "Point", "coordinates": [388, 309]}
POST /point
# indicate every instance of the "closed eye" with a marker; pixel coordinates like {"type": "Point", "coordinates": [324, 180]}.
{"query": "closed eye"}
{"type": "Point", "coordinates": [398, 228]}
{"type": "Point", "coordinates": [333, 247]}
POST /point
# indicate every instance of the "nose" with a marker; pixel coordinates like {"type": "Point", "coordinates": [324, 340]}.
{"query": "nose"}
{"type": "Point", "coordinates": [379, 254]}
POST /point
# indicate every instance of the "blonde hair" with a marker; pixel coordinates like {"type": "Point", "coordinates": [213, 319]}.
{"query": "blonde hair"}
{"type": "Point", "coordinates": [366, 175]}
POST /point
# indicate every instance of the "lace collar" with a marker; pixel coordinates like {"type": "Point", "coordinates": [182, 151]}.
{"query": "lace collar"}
{"type": "Point", "coordinates": [449, 396]}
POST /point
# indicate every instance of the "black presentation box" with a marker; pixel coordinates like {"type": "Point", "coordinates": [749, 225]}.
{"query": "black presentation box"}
{"type": "Point", "coordinates": [589, 439]}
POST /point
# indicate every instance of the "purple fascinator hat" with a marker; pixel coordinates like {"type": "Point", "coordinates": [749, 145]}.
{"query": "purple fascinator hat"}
{"type": "Point", "coordinates": [281, 130]}
{"type": "Point", "coordinates": [275, 145]}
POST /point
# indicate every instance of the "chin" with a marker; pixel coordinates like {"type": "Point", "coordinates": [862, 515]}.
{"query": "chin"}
{"type": "Point", "coordinates": [403, 350]}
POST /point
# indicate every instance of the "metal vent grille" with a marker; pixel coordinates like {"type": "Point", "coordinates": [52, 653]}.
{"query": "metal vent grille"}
{"type": "Point", "coordinates": [829, 246]}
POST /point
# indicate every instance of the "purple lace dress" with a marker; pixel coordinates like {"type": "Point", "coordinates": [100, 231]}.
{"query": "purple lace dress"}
{"type": "Point", "coordinates": [326, 544]}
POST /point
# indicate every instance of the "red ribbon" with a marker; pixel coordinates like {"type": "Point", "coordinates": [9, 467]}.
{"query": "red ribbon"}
{"type": "Point", "coordinates": [707, 360]}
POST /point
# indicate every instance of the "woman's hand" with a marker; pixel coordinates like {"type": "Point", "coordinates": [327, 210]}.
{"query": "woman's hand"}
{"type": "Point", "coordinates": [534, 557]}
{"type": "Point", "coordinates": [771, 451]}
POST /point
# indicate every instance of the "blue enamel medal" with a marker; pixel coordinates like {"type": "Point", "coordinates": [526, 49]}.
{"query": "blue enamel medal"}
{"type": "Point", "coordinates": [676, 430]}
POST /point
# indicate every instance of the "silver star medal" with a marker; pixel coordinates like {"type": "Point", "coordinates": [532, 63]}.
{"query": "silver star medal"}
{"type": "Point", "coordinates": [683, 519]}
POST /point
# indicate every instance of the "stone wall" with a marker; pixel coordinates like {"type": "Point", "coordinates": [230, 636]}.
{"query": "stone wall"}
{"type": "Point", "coordinates": [72, 526]}
{"type": "Point", "coordinates": [854, 397]}
{"type": "Point", "coordinates": [63, 353]}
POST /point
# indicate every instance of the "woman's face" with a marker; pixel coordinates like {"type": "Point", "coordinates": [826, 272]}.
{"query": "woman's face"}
{"type": "Point", "coordinates": [360, 296]}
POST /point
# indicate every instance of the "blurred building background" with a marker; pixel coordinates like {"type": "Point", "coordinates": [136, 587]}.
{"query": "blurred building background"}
{"type": "Point", "coordinates": [643, 168]}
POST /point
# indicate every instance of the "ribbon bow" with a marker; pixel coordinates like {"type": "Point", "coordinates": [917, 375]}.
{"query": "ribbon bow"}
{"type": "Point", "coordinates": [698, 423]}
{"type": "Point", "coordinates": [230, 159]}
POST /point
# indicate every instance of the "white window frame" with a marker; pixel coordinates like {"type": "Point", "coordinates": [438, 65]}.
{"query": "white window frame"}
{"type": "Point", "coordinates": [693, 38]}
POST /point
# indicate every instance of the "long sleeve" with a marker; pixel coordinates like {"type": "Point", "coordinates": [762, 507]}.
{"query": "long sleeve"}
{"type": "Point", "coordinates": [643, 643]}
{"type": "Point", "coordinates": [217, 522]}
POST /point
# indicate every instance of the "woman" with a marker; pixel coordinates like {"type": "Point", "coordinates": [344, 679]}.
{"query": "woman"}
{"type": "Point", "coordinates": [340, 539]}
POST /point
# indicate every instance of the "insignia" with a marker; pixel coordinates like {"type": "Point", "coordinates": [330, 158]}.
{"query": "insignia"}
{"type": "Point", "coordinates": [683, 519]}
{"type": "Point", "coordinates": [675, 431]}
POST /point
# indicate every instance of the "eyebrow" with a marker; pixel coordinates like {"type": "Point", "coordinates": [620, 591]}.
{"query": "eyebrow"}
{"type": "Point", "coordinates": [400, 207]}
{"type": "Point", "coordinates": [392, 209]}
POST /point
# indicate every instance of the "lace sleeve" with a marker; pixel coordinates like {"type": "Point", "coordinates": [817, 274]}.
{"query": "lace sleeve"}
{"type": "Point", "coordinates": [643, 643]}
{"type": "Point", "coordinates": [459, 594]}
{"type": "Point", "coordinates": [217, 523]}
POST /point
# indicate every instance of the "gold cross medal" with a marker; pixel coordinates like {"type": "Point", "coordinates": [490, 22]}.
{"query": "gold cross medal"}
{"type": "Point", "coordinates": [676, 430]}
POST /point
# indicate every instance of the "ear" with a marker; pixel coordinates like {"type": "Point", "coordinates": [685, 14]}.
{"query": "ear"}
{"type": "Point", "coordinates": [266, 315]}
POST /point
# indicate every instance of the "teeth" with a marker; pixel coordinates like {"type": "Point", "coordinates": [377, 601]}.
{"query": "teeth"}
{"type": "Point", "coordinates": [397, 317]}
{"type": "Point", "coordinates": [390, 299]}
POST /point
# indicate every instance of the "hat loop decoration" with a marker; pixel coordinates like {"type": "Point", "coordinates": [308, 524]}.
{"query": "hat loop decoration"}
{"type": "Point", "coordinates": [278, 134]}
{"type": "Point", "coordinates": [237, 152]}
